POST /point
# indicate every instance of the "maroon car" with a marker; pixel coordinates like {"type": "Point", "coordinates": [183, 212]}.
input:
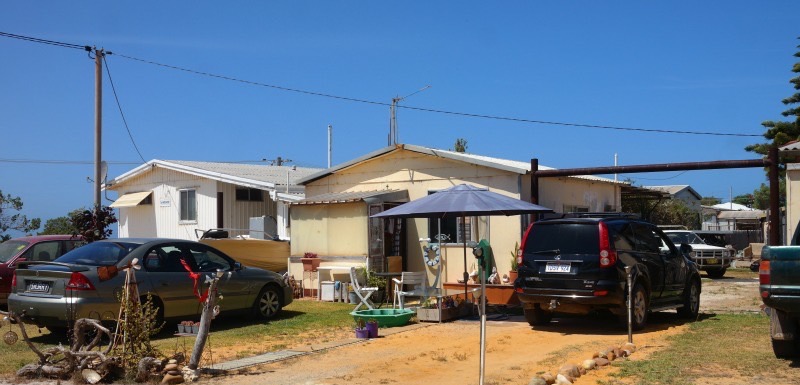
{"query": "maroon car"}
{"type": "Point", "coordinates": [35, 248]}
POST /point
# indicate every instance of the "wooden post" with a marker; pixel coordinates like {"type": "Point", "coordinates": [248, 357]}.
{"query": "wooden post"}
{"type": "Point", "coordinates": [205, 323]}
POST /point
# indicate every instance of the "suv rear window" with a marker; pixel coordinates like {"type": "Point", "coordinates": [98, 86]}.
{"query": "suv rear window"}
{"type": "Point", "coordinates": [568, 238]}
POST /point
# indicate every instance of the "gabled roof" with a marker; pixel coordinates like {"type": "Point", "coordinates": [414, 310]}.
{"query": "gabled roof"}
{"type": "Point", "coordinates": [357, 196]}
{"type": "Point", "coordinates": [247, 175]}
{"type": "Point", "coordinates": [675, 189]}
{"type": "Point", "coordinates": [514, 166]}
{"type": "Point", "coordinates": [732, 207]}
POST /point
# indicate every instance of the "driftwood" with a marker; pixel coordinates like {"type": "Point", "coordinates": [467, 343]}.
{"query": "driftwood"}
{"type": "Point", "coordinates": [60, 362]}
{"type": "Point", "coordinates": [147, 367]}
{"type": "Point", "coordinates": [205, 322]}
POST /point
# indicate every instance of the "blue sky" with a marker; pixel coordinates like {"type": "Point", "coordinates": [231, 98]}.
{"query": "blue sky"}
{"type": "Point", "coordinates": [719, 67]}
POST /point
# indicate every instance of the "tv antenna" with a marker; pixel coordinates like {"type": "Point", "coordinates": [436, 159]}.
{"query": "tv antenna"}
{"type": "Point", "coordinates": [393, 114]}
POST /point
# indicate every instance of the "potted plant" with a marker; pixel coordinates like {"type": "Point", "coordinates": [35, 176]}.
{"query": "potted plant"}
{"type": "Point", "coordinates": [361, 329]}
{"type": "Point", "coordinates": [310, 261]}
{"type": "Point", "coordinates": [374, 280]}
{"type": "Point", "coordinates": [512, 275]}
{"type": "Point", "coordinates": [372, 328]}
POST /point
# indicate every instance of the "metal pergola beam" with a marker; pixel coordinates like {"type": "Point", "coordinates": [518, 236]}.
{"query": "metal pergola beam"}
{"type": "Point", "coordinates": [771, 162]}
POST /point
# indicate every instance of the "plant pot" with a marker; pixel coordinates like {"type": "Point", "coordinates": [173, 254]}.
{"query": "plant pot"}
{"type": "Point", "coordinates": [181, 328]}
{"type": "Point", "coordinates": [195, 329]}
{"type": "Point", "coordinates": [310, 264]}
{"type": "Point", "coordinates": [372, 328]}
{"type": "Point", "coordinates": [512, 276]}
{"type": "Point", "coordinates": [362, 333]}
{"type": "Point", "coordinates": [352, 297]}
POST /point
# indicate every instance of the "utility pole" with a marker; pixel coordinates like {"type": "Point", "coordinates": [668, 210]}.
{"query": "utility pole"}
{"type": "Point", "coordinates": [98, 124]}
{"type": "Point", "coordinates": [393, 115]}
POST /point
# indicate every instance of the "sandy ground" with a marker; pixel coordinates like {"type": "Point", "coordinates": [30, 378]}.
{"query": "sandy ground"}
{"type": "Point", "coordinates": [449, 353]}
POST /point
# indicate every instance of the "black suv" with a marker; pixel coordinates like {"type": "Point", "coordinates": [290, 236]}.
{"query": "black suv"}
{"type": "Point", "coordinates": [577, 265]}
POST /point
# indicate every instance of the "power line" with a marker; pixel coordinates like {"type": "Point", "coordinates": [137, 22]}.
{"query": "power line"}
{"type": "Point", "coordinates": [372, 102]}
{"type": "Point", "coordinates": [44, 41]}
{"type": "Point", "coordinates": [63, 162]}
{"type": "Point", "coordinates": [125, 121]}
{"type": "Point", "coordinates": [466, 114]}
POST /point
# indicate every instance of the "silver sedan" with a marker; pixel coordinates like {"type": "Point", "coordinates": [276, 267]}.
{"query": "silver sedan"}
{"type": "Point", "coordinates": [54, 294]}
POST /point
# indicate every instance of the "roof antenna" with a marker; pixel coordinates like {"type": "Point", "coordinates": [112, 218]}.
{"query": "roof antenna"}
{"type": "Point", "coordinates": [393, 115]}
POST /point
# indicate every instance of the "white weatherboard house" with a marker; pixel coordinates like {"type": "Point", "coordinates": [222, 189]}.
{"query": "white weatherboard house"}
{"type": "Point", "coordinates": [173, 198]}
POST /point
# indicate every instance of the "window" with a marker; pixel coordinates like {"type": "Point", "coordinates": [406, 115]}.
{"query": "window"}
{"type": "Point", "coordinates": [188, 205]}
{"type": "Point", "coordinates": [249, 194]}
{"type": "Point", "coordinates": [454, 230]}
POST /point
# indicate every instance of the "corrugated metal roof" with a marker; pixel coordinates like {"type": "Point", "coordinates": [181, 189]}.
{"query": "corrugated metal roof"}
{"type": "Point", "coordinates": [675, 189]}
{"type": "Point", "coordinates": [250, 175]}
{"type": "Point", "coordinates": [515, 166]}
{"type": "Point", "coordinates": [355, 196]}
{"type": "Point", "coordinates": [740, 215]}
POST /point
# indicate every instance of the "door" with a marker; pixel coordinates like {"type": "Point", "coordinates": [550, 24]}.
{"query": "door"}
{"type": "Point", "coordinates": [376, 246]}
{"type": "Point", "coordinates": [170, 279]}
{"type": "Point", "coordinates": [648, 245]}
{"type": "Point", "coordinates": [675, 268]}
{"type": "Point", "coordinates": [233, 286]}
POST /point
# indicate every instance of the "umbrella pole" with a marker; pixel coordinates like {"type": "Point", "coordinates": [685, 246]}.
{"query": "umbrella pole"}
{"type": "Point", "coordinates": [464, 241]}
{"type": "Point", "coordinates": [483, 322]}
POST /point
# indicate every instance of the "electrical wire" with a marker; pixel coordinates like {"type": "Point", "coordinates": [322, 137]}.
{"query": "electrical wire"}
{"type": "Point", "coordinates": [44, 41]}
{"type": "Point", "coordinates": [63, 162]}
{"type": "Point", "coordinates": [423, 109]}
{"type": "Point", "coordinates": [125, 121]}
{"type": "Point", "coordinates": [372, 102]}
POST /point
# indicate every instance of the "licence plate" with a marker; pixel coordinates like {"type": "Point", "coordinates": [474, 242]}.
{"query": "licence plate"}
{"type": "Point", "coordinates": [712, 261]}
{"type": "Point", "coordinates": [38, 287]}
{"type": "Point", "coordinates": [557, 267]}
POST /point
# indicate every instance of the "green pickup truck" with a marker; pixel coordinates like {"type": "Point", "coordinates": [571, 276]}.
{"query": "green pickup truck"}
{"type": "Point", "coordinates": [779, 285]}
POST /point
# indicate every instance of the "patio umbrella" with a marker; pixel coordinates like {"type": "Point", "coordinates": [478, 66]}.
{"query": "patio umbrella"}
{"type": "Point", "coordinates": [462, 201]}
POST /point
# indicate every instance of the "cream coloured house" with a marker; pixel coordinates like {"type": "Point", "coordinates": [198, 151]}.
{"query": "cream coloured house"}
{"type": "Point", "coordinates": [333, 220]}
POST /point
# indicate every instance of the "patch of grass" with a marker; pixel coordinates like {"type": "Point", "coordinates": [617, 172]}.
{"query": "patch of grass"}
{"type": "Point", "coordinates": [299, 323]}
{"type": "Point", "coordinates": [721, 346]}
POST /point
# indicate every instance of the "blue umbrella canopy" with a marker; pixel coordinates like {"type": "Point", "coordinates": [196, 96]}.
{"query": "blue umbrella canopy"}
{"type": "Point", "coordinates": [462, 200]}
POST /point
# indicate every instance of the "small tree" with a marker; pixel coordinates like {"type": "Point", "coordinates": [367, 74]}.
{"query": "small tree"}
{"type": "Point", "coordinates": [461, 145]}
{"type": "Point", "coordinates": [61, 225]}
{"type": "Point", "coordinates": [15, 221]}
{"type": "Point", "coordinates": [94, 225]}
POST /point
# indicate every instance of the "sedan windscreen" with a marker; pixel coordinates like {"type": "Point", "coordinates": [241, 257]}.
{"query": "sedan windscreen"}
{"type": "Point", "coordinates": [98, 253]}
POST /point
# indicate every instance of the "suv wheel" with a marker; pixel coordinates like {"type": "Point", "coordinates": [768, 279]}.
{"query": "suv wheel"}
{"type": "Point", "coordinates": [639, 305]}
{"type": "Point", "coordinates": [537, 316]}
{"type": "Point", "coordinates": [785, 349]}
{"type": "Point", "coordinates": [716, 273]}
{"type": "Point", "coordinates": [691, 300]}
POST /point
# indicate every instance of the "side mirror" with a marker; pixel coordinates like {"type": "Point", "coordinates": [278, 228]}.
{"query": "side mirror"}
{"type": "Point", "coordinates": [237, 266]}
{"type": "Point", "coordinates": [687, 250]}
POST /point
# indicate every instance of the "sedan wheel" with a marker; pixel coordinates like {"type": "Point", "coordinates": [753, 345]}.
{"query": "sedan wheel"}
{"type": "Point", "coordinates": [268, 303]}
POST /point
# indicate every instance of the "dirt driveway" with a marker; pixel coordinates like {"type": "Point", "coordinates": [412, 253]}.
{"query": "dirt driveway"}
{"type": "Point", "coordinates": [449, 353]}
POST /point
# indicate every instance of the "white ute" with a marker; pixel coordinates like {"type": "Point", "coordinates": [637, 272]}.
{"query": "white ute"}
{"type": "Point", "coordinates": [714, 260]}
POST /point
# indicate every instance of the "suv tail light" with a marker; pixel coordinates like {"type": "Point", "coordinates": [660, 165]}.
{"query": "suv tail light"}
{"type": "Point", "coordinates": [79, 281]}
{"type": "Point", "coordinates": [608, 256]}
{"type": "Point", "coordinates": [522, 244]}
{"type": "Point", "coordinates": [14, 282]}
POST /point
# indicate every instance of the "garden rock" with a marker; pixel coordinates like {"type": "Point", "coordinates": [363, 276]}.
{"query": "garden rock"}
{"type": "Point", "coordinates": [537, 381]}
{"type": "Point", "coordinates": [562, 380]}
{"type": "Point", "coordinates": [630, 347]}
{"type": "Point", "coordinates": [588, 364]}
{"type": "Point", "coordinates": [569, 370]}
{"type": "Point", "coordinates": [172, 379]}
{"type": "Point", "coordinates": [601, 361]}
{"type": "Point", "coordinates": [549, 378]}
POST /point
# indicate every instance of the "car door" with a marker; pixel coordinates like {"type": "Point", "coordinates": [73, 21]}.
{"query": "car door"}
{"type": "Point", "coordinates": [171, 280]}
{"type": "Point", "coordinates": [233, 285]}
{"type": "Point", "coordinates": [675, 269]}
{"type": "Point", "coordinates": [647, 247]}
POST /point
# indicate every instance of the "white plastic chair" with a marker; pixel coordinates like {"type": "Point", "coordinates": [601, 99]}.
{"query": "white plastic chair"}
{"type": "Point", "coordinates": [419, 282]}
{"type": "Point", "coordinates": [363, 293]}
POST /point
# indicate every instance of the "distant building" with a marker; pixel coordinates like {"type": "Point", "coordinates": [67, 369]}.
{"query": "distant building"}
{"type": "Point", "coordinates": [684, 193]}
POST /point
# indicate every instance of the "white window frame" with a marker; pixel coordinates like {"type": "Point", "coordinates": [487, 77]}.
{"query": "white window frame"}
{"type": "Point", "coordinates": [188, 218]}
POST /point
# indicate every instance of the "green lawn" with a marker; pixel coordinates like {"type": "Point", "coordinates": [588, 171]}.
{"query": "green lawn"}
{"type": "Point", "coordinates": [719, 346]}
